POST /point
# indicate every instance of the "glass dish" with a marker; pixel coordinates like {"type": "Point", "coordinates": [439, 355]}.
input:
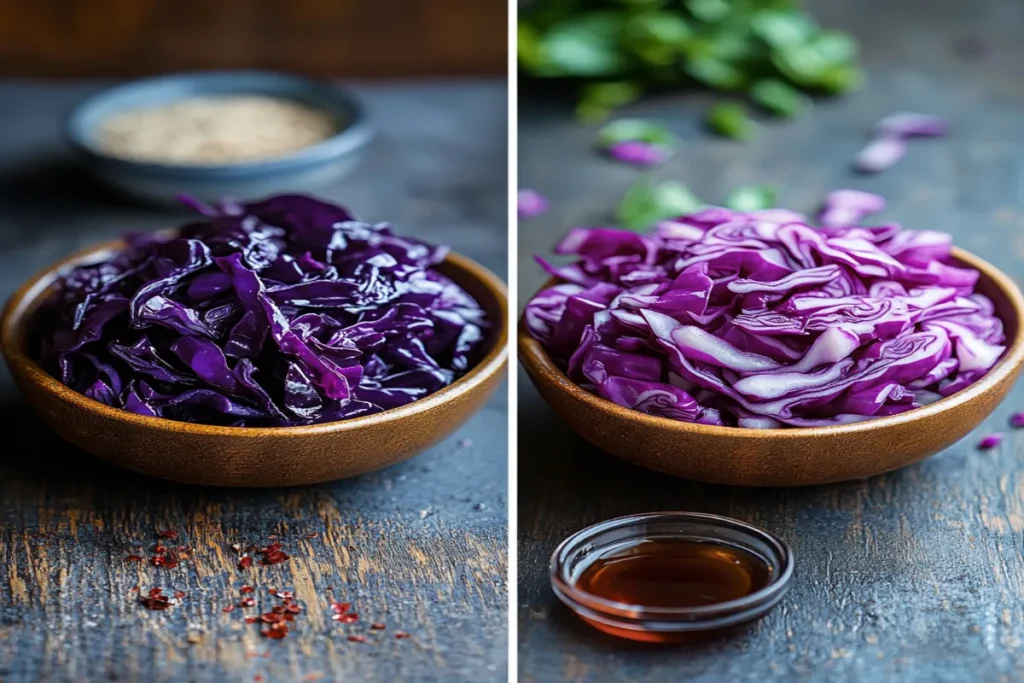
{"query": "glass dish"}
{"type": "Point", "coordinates": [654, 623]}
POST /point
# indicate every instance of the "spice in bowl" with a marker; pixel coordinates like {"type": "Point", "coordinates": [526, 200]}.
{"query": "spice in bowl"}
{"type": "Point", "coordinates": [214, 131]}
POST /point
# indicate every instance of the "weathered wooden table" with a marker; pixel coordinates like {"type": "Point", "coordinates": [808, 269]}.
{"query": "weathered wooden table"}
{"type": "Point", "coordinates": [420, 546]}
{"type": "Point", "coordinates": [917, 575]}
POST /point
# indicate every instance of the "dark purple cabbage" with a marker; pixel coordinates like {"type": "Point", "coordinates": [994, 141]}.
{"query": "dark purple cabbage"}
{"type": "Point", "coordinates": [286, 311]}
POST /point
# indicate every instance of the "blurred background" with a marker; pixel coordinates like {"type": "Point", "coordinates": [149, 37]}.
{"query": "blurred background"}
{"type": "Point", "coordinates": [350, 38]}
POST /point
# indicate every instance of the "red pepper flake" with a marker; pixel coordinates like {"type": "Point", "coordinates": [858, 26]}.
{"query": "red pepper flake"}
{"type": "Point", "coordinates": [357, 639]}
{"type": "Point", "coordinates": [257, 678]}
{"type": "Point", "coordinates": [229, 608]}
{"type": "Point", "coordinates": [169, 534]}
{"type": "Point", "coordinates": [340, 607]}
{"type": "Point", "coordinates": [156, 600]}
{"type": "Point", "coordinates": [378, 627]}
{"type": "Point", "coordinates": [251, 620]}
{"type": "Point", "coordinates": [272, 537]}
{"type": "Point", "coordinates": [272, 554]}
{"type": "Point", "coordinates": [168, 558]}
{"type": "Point", "coordinates": [134, 558]}
{"type": "Point", "coordinates": [247, 602]}
{"type": "Point", "coordinates": [246, 589]}
{"type": "Point", "coordinates": [276, 631]}
{"type": "Point", "coordinates": [401, 635]}
{"type": "Point", "coordinates": [277, 609]}
{"type": "Point", "coordinates": [312, 535]}
{"type": "Point", "coordinates": [245, 562]}
{"type": "Point", "coordinates": [179, 594]}
{"type": "Point", "coordinates": [134, 589]}
{"type": "Point", "coordinates": [293, 609]}
{"type": "Point", "coordinates": [159, 549]}
{"type": "Point", "coordinates": [160, 602]}
{"type": "Point", "coordinates": [285, 595]}
{"type": "Point", "coordinates": [271, 617]}
{"type": "Point", "coordinates": [349, 618]}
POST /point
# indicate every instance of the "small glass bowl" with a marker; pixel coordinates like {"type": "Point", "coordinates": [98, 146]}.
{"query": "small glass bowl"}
{"type": "Point", "coordinates": [652, 623]}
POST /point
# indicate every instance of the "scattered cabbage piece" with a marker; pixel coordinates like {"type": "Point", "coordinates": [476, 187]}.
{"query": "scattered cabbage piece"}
{"type": "Point", "coordinates": [531, 204]}
{"type": "Point", "coordinates": [991, 441]}
{"type": "Point", "coordinates": [281, 312]}
{"type": "Point", "coordinates": [756, 319]}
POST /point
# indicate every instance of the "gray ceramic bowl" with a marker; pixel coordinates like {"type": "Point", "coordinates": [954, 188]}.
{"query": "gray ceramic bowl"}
{"type": "Point", "coordinates": [304, 170]}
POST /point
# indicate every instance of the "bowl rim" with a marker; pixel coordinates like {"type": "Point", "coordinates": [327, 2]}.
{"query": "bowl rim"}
{"type": "Point", "coordinates": [354, 136]}
{"type": "Point", "coordinates": [22, 302]}
{"type": "Point", "coordinates": [535, 359]}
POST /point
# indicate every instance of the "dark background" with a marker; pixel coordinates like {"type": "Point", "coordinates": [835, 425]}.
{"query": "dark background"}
{"type": "Point", "coordinates": [343, 38]}
{"type": "Point", "coordinates": [914, 576]}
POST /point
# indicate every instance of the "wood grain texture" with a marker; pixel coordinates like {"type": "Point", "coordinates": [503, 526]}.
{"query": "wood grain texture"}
{"type": "Point", "coordinates": [912, 576]}
{"type": "Point", "coordinates": [419, 546]}
{"type": "Point", "coordinates": [340, 38]}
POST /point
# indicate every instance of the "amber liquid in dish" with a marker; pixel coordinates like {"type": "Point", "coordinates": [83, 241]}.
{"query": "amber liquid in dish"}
{"type": "Point", "coordinates": [675, 573]}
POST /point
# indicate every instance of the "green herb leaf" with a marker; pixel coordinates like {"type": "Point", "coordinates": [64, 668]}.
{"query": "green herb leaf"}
{"type": "Point", "coordinates": [731, 120]}
{"type": "Point", "coordinates": [783, 28]}
{"type": "Point", "coordinates": [751, 198]}
{"type": "Point", "coordinates": [529, 50]}
{"type": "Point", "coordinates": [598, 100]}
{"type": "Point", "coordinates": [646, 203]}
{"type": "Point", "coordinates": [779, 97]}
{"type": "Point", "coordinates": [585, 46]}
{"type": "Point", "coordinates": [717, 73]}
{"type": "Point", "coordinates": [836, 47]}
{"type": "Point", "coordinates": [708, 11]}
{"type": "Point", "coordinates": [841, 79]}
{"type": "Point", "coordinates": [817, 63]}
{"type": "Point", "coordinates": [628, 130]}
{"type": "Point", "coordinates": [657, 37]}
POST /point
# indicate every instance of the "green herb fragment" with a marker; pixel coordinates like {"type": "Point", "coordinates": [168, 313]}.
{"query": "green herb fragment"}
{"type": "Point", "coordinates": [646, 203]}
{"type": "Point", "coordinates": [731, 120]}
{"type": "Point", "coordinates": [583, 46]}
{"type": "Point", "coordinates": [635, 130]}
{"type": "Point", "coordinates": [778, 97]}
{"type": "Point", "coordinates": [781, 28]}
{"type": "Point", "coordinates": [717, 73]}
{"type": "Point", "coordinates": [751, 198]}
{"type": "Point", "coordinates": [708, 10]}
{"type": "Point", "coordinates": [598, 100]}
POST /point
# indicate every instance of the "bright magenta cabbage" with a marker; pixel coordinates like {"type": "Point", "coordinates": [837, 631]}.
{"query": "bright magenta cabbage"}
{"type": "Point", "coordinates": [281, 312]}
{"type": "Point", "coordinates": [759, 320]}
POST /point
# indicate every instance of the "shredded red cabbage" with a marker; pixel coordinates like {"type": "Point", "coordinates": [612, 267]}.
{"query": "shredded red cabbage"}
{"type": "Point", "coordinates": [286, 311]}
{"type": "Point", "coordinates": [756, 319]}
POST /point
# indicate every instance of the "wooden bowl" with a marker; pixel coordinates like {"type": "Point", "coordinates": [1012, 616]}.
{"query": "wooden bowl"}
{"type": "Point", "coordinates": [236, 456]}
{"type": "Point", "coordinates": [787, 457]}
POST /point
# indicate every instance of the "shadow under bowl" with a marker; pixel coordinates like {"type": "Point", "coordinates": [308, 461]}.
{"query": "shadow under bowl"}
{"type": "Point", "coordinates": [318, 165]}
{"type": "Point", "coordinates": [787, 457]}
{"type": "Point", "coordinates": [253, 457]}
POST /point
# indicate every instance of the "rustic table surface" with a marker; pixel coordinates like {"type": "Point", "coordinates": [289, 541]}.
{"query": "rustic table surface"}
{"type": "Point", "coordinates": [916, 575]}
{"type": "Point", "coordinates": [420, 546]}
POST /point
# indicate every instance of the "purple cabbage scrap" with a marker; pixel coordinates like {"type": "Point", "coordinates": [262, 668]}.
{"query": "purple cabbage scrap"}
{"type": "Point", "coordinates": [286, 311]}
{"type": "Point", "coordinates": [759, 320]}
{"type": "Point", "coordinates": [889, 144]}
